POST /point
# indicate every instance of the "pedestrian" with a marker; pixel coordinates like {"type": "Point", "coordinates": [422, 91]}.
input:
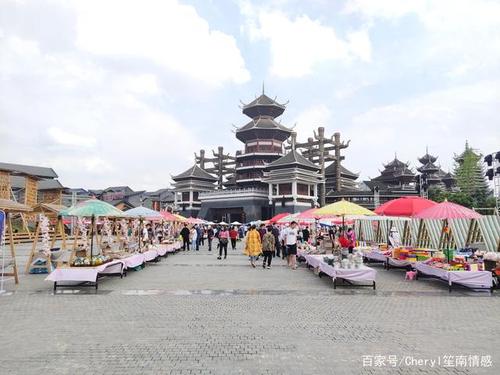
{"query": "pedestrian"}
{"type": "Point", "coordinates": [277, 242]}
{"type": "Point", "coordinates": [306, 234]}
{"type": "Point", "coordinates": [262, 231]}
{"type": "Point", "coordinates": [253, 245]}
{"type": "Point", "coordinates": [282, 241]}
{"type": "Point", "coordinates": [223, 241]}
{"type": "Point", "coordinates": [268, 245]}
{"type": "Point", "coordinates": [185, 237]}
{"type": "Point", "coordinates": [291, 238]}
{"type": "Point", "coordinates": [233, 234]}
{"type": "Point", "coordinates": [199, 236]}
{"type": "Point", "coordinates": [194, 238]}
{"type": "Point", "coordinates": [210, 237]}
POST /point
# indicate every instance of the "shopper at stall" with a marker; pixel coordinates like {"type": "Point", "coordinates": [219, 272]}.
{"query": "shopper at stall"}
{"type": "Point", "coordinates": [223, 242]}
{"type": "Point", "coordinates": [253, 245]}
{"type": "Point", "coordinates": [233, 235]}
{"type": "Point", "coordinates": [268, 246]}
{"type": "Point", "coordinates": [306, 234]}
{"type": "Point", "coordinates": [201, 236]}
{"type": "Point", "coordinates": [291, 238]}
{"type": "Point", "coordinates": [351, 236]}
{"type": "Point", "coordinates": [185, 237]}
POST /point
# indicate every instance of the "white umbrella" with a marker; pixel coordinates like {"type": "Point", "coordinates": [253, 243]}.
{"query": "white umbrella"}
{"type": "Point", "coordinates": [235, 223]}
{"type": "Point", "coordinates": [222, 223]}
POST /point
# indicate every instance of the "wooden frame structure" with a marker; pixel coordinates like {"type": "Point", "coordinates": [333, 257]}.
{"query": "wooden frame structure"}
{"type": "Point", "coordinates": [51, 211]}
{"type": "Point", "coordinates": [11, 207]}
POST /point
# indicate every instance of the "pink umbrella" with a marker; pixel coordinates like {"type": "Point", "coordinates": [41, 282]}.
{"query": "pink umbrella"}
{"type": "Point", "coordinates": [448, 210]}
{"type": "Point", "coordinates": [404, 206]}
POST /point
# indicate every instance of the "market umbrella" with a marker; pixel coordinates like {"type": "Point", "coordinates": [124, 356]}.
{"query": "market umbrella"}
{"type": "Point", "coordinates": [235, 223]}
{"type": "Point", "coordinates": [168, 216]}
{"type": "Point", "coordinates": [344, 208]}
{"type": "Point", "coordinates": [222, 223]}
{"type": "Point", "coordinates": [288, 218]}
{"type": "Point", "coordinates": [404, 206]}
{"type": "Point", "coordinates": [180, 218]}
{"type": "Point", "coordinates": [277, 217]}
{"type": "Point", "coordinates": [446, 211]}
{"type": "Point", "coordinates": [144, 213]}
{"type": "Point", "coordinates": [92, 208]}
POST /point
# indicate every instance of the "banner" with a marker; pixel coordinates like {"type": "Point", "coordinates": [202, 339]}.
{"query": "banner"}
{"type": "Point", "coordinates": [2, 225]}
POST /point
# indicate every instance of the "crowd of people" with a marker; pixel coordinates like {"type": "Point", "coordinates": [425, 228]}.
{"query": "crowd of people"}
{"type": "Point", "coordinates": [266, 241]}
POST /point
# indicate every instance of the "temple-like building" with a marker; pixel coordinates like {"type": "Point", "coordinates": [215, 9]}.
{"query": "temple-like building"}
{"type": "Point", "coordinates": [395, 180]}
{"type": "Point", "coordinates": [265, 180]}
{"type": "Point", "coordinates": [434, 175]}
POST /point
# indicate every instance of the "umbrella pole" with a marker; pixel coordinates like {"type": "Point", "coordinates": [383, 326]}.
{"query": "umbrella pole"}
{"type": "Point", "coordinates": [92, 236]}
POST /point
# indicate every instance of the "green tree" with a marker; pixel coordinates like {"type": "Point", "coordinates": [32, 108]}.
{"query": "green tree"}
{"type": "Point", "coordinates": [470, 179]}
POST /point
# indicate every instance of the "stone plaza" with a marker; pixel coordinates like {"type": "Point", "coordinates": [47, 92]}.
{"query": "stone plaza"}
{"type": "Point", "coordinates": [193, 314]}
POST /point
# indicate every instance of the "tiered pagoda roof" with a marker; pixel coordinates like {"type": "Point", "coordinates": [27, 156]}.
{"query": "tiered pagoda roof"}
{"type": "Point", "coordinates": [434, 174]}
{"type": "Point", "coordinates": [263, 111]}
{"type": "Point", "coordinates": [293, 159]}
{"type": "Point", "coordinates": [263, 106]}
{"type": "Point", "coordinates": [194, 173]}
{"type": "Point", "coordinates": [263, 127]}
{"type": "Point", "coordinates": [344, 172]}
{"type": "Point", "coordinates": [396, 172]}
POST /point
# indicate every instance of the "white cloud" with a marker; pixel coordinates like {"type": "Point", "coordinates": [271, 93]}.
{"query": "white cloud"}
{"type": "Point", "coordinates": [310, 119]}
{"type": "Point", "coordinates": [301, 44]}
{"type": "Point", "coordinates": [95, 127]}
{"type": "Point", "coordinates": [443, 120]}
{"type": "Point", "coordinates": [67, 138]}
{"type": "Point", "coordinates": [163, 31]}
{"type": "Point", "coordinates": [464, 33]}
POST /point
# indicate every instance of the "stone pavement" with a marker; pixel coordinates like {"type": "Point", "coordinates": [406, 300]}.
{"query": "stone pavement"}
{"type": "Point", "coordinates": [194, 314]}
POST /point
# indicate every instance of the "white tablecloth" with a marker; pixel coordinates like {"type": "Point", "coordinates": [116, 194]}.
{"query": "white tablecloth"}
{"type": "Point", "coordinates": [314, 260]}
{"type": "Point", "coordinates": [399, 263]}
{"type": "Point", "coordinates": [134, 260]}
{"type": "Point", "coordinates": [376, 256]}
{"type": "Point", "coordinates": [150, 255]}
{"type": "Point", "coordinates": [471, 279]}
{"type": "Point", "coordinates": [363, 274]}
{"type": "Point", "coordinates": [161, 250]}
{"type": "Point", "coordinates": [81, 274]}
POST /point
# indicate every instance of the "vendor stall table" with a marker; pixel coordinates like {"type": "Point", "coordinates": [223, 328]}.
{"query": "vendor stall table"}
{"type": "Point", "coordinates": [150, 255]}
{"type": "Point", "coordinates": [469, 279]}
{"type": "Point", "coordinates": [85, 276]}
{"type": "Point", "coordinates": [375, 256]}
{"type": "Point", "coordinates": [362, 274]}
{"type": "Point", "coordinates": [134, 261]}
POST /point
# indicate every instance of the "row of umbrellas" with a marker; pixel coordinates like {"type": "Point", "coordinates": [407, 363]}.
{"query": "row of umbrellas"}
{"type": "Point", "coordinates": [415, 207]}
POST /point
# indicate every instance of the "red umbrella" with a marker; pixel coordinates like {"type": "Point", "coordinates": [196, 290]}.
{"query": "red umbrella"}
{"type": "Point", "coordinates": [276, 218]}
{"type": "Point", "coordinates": [404, 206]}
{"type": "Point", "coordinates": [448, 210]}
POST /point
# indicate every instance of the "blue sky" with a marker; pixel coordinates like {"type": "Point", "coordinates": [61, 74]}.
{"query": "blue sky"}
{"type": "Point", "coordinates": [124, 92]}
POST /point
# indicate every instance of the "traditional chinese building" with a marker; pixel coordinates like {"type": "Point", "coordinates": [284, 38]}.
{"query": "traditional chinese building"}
{"type": "Point", "coordinates": [266, 178]}
{"type": "Point", "coordinates": [187, 188]}
{"type": "Point", "coordinates": [434, 175]}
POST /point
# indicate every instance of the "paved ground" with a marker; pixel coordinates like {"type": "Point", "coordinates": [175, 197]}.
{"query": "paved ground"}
{"type": "Point", "coordinates": [193, 314]}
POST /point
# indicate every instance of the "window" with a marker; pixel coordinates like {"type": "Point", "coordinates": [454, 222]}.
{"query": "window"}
{"type": "Point", "coordinates": [185, 196]}
{"type": "Point", "coordinates": [195, 195]}
{"type": "Point", "coordinates": [302, 189]}
{"type": "Point", "coordinates": [285, 189]}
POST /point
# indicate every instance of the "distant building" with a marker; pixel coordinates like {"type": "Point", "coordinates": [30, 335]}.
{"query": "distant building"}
{"type": "Point", "coordinates": [433, 175]}
{"type": "Point", "coordinates": [265, 179]}
{"type": "Point", "coordinates": [30, 184]}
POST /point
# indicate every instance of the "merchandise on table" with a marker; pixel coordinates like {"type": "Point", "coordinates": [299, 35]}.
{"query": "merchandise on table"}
{"type": "Point", "coordinates": [96, 260]}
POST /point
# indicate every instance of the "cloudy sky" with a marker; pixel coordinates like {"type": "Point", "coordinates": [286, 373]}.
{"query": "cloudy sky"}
{"type": "Point", "coordinates": [123, 92]}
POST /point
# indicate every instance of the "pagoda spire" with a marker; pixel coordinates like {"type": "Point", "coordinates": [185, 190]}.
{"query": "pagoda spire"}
{"type": "Point", "coordinates": [263, 91]}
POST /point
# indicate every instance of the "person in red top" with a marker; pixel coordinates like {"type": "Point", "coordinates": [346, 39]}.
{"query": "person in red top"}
{"type": "Point", "coordinates": [233, 235]}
